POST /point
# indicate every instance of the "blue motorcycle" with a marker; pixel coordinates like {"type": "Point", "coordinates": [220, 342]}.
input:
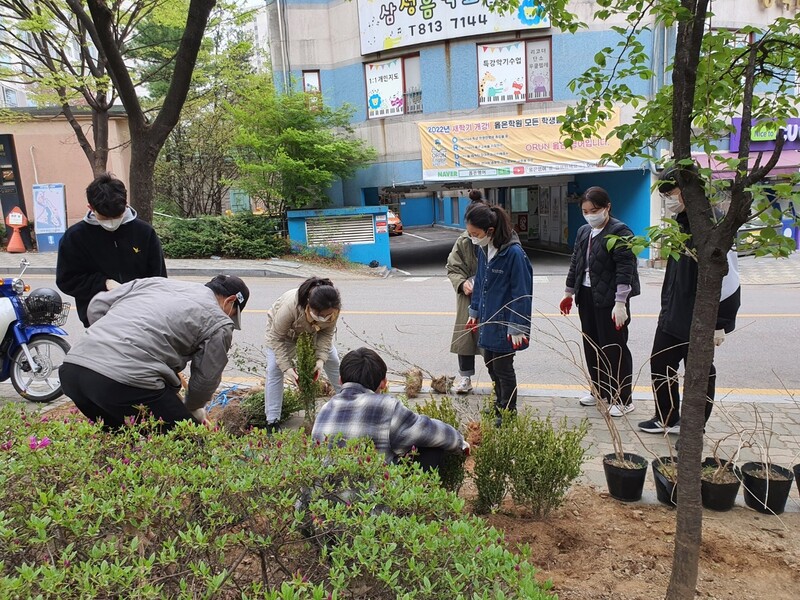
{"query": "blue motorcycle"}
{"type": "Point", "coordinates": [33, 345]}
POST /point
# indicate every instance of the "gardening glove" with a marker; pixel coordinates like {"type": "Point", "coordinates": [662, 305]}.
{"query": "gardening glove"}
{"type": "Point", "coordinates": [318, 369]}
{"type": "Point", "coordinates": [111, 284]}
{"type": "Point", "coordinates": [517, 340]}
{"type": "Point", "coordinates": [292, 373]}
{"type": "Point", "coordinates": [719, 337]}
{"type": "Point", "coordinates": [472, 325]}
{"type": "Point", "coordinates": [465, 448]}
{"type": "Point", "coordinates": [201, 415]}
{"type": "Point", "coordinates": [619, 315]}
{"type": "Point", "coordinates": [566, 304]}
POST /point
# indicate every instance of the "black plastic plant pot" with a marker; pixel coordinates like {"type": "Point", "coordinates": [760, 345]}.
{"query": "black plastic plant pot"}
{"type": "Point", "coordinates": [797, 476]}
{"type": "Point", "coordinates": [720, 496]}
{"type": "Point", "coordinates": [767, 496]}
{"type": "Point", "coordinates": [625, 483]}
{"type": "Point", "coordinates": [666, 489]}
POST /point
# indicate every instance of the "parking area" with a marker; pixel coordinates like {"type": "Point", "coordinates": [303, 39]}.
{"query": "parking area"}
{"type": "Point", "coordinates": [423, 251]}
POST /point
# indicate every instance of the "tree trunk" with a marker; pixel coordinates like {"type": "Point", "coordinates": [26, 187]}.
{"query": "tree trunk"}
{"type": "Point", "coordinates": [689, 518]}
{"type": "Point", "coordinates": [100, 130]}
{"type": "Point", "coordinates": [143, 163]}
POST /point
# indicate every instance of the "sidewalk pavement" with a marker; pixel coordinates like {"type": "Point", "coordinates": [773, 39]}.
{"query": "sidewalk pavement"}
{"type": "Point", "coordinates": [753, 271]}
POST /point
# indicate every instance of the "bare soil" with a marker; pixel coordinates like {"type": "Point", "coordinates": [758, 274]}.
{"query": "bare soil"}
{"type": "Point", "coordinates": [597, 548]}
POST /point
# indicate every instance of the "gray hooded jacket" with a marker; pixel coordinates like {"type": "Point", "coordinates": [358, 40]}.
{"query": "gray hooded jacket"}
{"type": "Point", "coordinates": [144, 332]}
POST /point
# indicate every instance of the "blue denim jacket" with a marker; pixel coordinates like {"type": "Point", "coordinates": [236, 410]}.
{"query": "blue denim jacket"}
{"type": "Point", "coordinates": [502, 299]}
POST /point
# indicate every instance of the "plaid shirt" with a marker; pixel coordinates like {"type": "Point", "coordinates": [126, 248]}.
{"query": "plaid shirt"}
{"type": "Point", "coordinates": [356, 412]}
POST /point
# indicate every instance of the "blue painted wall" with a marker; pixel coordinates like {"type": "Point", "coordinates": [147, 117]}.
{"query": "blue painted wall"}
{"type": "Point", "coordinates": [360, 253]}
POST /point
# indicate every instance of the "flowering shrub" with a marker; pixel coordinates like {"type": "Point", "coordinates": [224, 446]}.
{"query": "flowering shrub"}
{"type": "Point", "coordinates": [200, 513]}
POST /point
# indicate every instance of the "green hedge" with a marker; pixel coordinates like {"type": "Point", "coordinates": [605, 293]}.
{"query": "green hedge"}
{"type": "Point", "coordinates": [238, 236]}
{"type": "Point", "coordinates": [197, 513]}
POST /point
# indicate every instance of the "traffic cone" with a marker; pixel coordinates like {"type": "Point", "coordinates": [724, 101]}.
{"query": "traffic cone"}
{"type": "Point", "coordinates": [15, 244]}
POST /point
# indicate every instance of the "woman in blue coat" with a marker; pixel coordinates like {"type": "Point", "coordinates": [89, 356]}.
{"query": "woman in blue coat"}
{"type": "Point", "coordinates": [502, 298]}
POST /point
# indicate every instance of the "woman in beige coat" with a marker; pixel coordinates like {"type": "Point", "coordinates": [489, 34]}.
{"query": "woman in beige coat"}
{"type": "Point", "coordinates": [312, 308]}
{"type": "Point", "coordinates": [461, 266]}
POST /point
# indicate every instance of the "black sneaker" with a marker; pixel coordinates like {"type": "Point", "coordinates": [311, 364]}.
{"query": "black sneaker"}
{"type": "Point", "coordinates": [655, 425]}
{"type": "Point", "coordinates": [274, 427]}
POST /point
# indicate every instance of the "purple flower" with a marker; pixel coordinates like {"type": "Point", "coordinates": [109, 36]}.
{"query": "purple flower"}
{"type": "Point", "coordinates": [34, 443]}
{"type": "Point", "coordinates": [126, 461]}
{"type": "Point", "coordinates": [7, 445]}
{"type": "Point", "coordinates": [45, 442]}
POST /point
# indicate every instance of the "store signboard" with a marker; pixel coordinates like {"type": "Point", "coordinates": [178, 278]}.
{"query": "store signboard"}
{"type": "Point", "coordinates": [50, 215]}
{"type": "Point", "coordinates": [387, 24]}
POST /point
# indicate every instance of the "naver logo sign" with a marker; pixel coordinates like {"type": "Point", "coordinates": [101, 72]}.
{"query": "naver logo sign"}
{"type": "Point", "coordinates": [447, 173]}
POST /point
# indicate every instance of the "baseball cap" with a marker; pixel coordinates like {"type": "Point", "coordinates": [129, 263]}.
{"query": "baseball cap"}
{"type": "Point", "coordinates": [230, 285]}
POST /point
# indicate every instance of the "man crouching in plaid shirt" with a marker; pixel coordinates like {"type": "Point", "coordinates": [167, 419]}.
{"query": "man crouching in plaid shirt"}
{"type": "Point", "coordinates": [360, 411]}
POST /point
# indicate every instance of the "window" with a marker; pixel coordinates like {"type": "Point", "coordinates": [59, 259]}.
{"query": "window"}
{"type": "Point", "coordinates": [394, 87]}
{"type": "Point", "coordinates": [412, 79]}
{"type": "Point", "coordinates": [311, 83]}
{"type": "Point", "coordinates": [9, 97]}
{"type": "Point", "coordinates": [516, 71]}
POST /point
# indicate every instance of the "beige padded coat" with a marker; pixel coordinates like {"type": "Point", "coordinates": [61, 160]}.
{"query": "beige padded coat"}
{"type": "Point", "coordinates": [286, 320]}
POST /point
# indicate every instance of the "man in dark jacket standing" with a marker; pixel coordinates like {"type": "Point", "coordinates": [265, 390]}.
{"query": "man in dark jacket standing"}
{"type": "Point", "coordinates": [109, 247]}
{"type": "Point", "coordinates": [671, 343]}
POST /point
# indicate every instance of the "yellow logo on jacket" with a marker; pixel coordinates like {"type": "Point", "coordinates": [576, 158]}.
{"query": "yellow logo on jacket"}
{"type": "Point", "coordinates": [136, 250]}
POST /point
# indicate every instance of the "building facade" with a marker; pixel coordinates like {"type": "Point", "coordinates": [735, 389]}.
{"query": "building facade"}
{"type": "Point", "coordinates": [454, 98]}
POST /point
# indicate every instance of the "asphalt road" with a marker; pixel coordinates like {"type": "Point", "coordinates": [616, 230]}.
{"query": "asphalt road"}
{"type": "Point", "coordinates": [409, 321]}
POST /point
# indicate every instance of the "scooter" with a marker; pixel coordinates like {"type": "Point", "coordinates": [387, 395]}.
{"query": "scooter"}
{"type": "Point", "coordinates": [33, 345]}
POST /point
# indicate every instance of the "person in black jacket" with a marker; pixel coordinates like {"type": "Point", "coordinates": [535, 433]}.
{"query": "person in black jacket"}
{"type": "Point", "coordinates": [671, 342]}
{"type": "Point", "coordinates": [605, 282]}
{"type": "Point", "coordinates": [109, 247]}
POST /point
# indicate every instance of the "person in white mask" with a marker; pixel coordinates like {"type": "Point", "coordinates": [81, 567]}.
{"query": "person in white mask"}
{"type": "Point", "coordinates": [109, 247]}
{"type": "Point", "coordinates": [603, 281]}
{"type": "Point", "coordinates": [312, 308]}
{"type": "Point", "coordinates": [671, 340]}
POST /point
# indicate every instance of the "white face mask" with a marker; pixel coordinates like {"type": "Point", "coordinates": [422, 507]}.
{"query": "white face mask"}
{"type": "Point", "coordinates": [673, 204]}
{"type": "Point", "coordinates": [596, 220]}
{"type": "Point", "coordinates": [319, 318]}
{"type": "Point", "coordinates": [110, 224]}
{"type": "Point", "coordinates": [482, 242]}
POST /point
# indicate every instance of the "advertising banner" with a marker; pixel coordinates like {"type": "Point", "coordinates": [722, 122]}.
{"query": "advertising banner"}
{"type": "Point", "coordinates": [384, 88]}
{"type": "Point", "coordinates": [50, 215]}
{"type": "Point", "coordinates": [501, 73]}
{"type": "Point", "coordinates": [386, 24]}
{"type": "Point", "coordinates": [762, 139]}
{"type": "Point", "coordinates": [499, 148]}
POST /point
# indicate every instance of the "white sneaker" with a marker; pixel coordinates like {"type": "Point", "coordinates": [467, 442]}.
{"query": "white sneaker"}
{"type": "Point", "coordinates": [619, 410]}
{"type": "Point", "coordinates": [464, 386]}
{"type": "Point", "coordinates": [588, 400]}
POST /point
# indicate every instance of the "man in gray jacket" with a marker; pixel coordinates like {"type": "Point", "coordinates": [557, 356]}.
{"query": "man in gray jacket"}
{"type": "Point", "coordinates": [141, 335]}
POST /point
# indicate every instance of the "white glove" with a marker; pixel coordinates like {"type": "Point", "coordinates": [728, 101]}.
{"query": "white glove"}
{"type": "Point", "coordinates": [200, 415]}
{"type": "Point", "coordinates": [619, 314]}
{"type": "Point", "coordinates": [292, 373]}
{"type": "Point", "coordinates": [318, 369]}
{"type": "Point", "coordinates": [111, 284]}
{"type": "Point", "coordinates": [465, 448]}
{"type": "Point", "coordinates": [517, 340]}
{"type": "Point", "coordinates": [719, 337]}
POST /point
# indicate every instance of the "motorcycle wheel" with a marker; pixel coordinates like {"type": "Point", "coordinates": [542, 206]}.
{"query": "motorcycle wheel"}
{"type": "Point", "coordinates": [48, 351]}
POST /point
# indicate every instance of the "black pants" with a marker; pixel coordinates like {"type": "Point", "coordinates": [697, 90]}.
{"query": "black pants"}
{"type": "Point", "coordinates": [501, 370]}
{"type": "Point", "coordinates": [466, 363]}
{"type": "Point", "coordinates": [608, 357]}
{"type": "Point", "coordinates": [101, 398]}
{"type": "Point", "coordinates": [667, 354]}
